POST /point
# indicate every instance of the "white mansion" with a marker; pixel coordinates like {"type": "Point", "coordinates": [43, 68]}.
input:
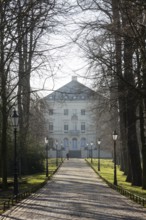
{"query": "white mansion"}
{"type": "Point", "coordinates": [70, 121]}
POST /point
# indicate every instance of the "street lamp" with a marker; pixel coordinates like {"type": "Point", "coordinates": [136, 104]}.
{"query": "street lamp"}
{"type": "Point", "coordinates": [91, 152]}
{"type": "Point", "coordinates": [46, 142]}
{"type": "Point", "coordinates": [99, 142]}
{"type": "Point", "coordinates": [115, 136]}
{"type": "Point", "coordinates": [56, 153]}
{"type": "Point", "coordinates": [15, 125]}
{"type": "Point", "coordinates": [87, 150]}
{"type": "Point", "coordinates": [61, 151]}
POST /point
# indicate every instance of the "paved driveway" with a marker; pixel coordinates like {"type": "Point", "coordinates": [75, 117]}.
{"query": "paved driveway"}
{"type": "Point", "coordinates": [75, 192]}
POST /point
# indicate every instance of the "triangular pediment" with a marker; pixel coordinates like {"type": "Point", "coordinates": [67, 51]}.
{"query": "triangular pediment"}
{"type": "Point", "coordinates": [73, 90]}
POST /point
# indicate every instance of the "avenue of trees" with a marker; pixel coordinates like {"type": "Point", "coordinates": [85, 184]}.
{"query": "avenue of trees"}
{"type": "Point", "coordinates": [23, 24]}
{"type": "Point", "coordinates": [114, 43]}
{"type": "Point", "coordinates": [112, 35]}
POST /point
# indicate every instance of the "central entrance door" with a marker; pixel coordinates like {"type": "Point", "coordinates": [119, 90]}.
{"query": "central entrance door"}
{"type": "Point", "coordinates": [74, 152]}
{"type": "Point", "coordinates": [74, 144]}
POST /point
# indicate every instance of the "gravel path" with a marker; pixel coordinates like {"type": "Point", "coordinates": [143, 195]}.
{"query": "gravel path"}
{"type": "Point", "coordinates": [75, 192]}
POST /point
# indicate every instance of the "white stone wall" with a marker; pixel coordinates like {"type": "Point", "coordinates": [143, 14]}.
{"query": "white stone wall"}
{"type": "Point", "coordinates": [76, 97]}
{"type": "Point", "coordinates": [74, 126]}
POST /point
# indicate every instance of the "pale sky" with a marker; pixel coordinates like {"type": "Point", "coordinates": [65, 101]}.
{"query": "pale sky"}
{"type": "Point", "coordinates": [63, 62]}
{"type": "Point", "coordinates": [68, 62]}
{"type": "Point", "coordinates": [70, 66]}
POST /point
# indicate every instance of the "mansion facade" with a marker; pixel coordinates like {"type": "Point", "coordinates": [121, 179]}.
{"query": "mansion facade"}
{"type": "Point", "coordinates": [70, 121]}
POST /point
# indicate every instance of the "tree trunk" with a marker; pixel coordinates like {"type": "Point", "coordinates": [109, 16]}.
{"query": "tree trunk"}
{"type": "Point", "coordinates": [133, 148]}
{"type": "Point", "coordinates": [121, 85]}
{"type": "Point", "coordinates": [4, 143]}
{"type": "Point", "coordinates": [3, 78]}
{"type": "Point", "coordinates": [143, 104]}
{"type": "Point", "coordinates": [143, 140]}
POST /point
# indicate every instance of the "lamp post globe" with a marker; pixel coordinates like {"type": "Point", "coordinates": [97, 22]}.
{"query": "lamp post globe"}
{"type": "Point", "coordinates": [15, 118]}
{"type": "Point", "coordinates": [115, 135]}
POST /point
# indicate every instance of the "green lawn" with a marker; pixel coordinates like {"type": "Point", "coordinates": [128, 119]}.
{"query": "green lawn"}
{"type": "Point", "coordinates": [107, 172]}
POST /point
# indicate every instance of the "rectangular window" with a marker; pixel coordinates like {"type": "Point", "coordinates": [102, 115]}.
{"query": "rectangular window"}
{"type": "Point", "coordinates": [65, 128]}
{"type": "Point", "coordinates": [82, 111]}
{"type": "Point", "coordinates": [65, 111]}
{"type": "Point", "coordinates": [51, 127]}
{"type": "Point", "coordinates": [50, 111]}
{"type": "Point", "coordinates": [82, 127]}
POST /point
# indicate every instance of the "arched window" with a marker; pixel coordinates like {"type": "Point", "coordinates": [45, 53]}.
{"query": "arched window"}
{"type": "Point", "coordinates": [83, 142]}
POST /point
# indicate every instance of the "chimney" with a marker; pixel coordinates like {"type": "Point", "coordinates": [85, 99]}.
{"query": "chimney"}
{"type": "Point", "coordinates": [74, 78]}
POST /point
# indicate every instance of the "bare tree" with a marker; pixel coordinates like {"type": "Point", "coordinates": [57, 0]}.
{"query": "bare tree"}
{"type": "Point", "coordinates": [118, 23]}
{"type": "Point", "coordinates": [23, 23]}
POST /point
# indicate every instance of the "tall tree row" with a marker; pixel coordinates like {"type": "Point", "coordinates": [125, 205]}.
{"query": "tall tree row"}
{"type": "Point", "coordinates": [30, 29]}
{"type": "Point", "coordinates": [7, 52]}
{"type": "Point", "coordinates": [115, 47]}
{"type": "Point", "coordinates": [129, 106]}
{"type": "Point", "coordinates": [22, 25]}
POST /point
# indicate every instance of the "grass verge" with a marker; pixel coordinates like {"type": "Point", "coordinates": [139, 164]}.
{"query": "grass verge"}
{"type": "Point", "coordinates": [107, 172]}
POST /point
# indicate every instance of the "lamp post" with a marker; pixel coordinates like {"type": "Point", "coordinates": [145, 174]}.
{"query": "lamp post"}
{"type": "Point", "coordinates": [61, 151]}
{"type": "Point", "coordinates": [99, 142]}
{"type": "Point", "coordinates": [115, 136]}
{"type": "Point", "coordinates": [46, 142]}
{"type": "Point", "coordinates": [87, 150]}
{"type": "Point", "coordinates": [91, 152]}
{"type": "Point", "coordinates": [56, 153]}
{"type": "Point", "coordinates": [15, 125]}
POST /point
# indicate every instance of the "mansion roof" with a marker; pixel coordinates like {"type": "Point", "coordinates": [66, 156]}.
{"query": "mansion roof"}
{"type": "Point", "coordinates": [73, 90]}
